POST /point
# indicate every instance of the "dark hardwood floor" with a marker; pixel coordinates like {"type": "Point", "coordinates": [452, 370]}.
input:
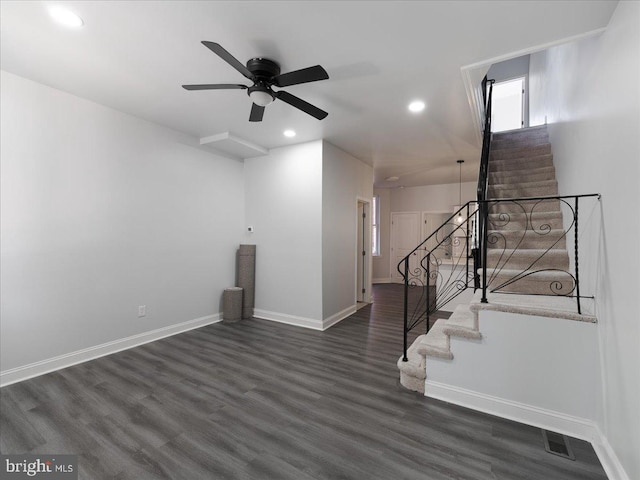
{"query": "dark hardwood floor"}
{"type": "Point", "coordinates": [262, 400]}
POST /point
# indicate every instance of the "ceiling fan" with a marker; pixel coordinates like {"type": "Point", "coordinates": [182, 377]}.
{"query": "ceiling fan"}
{"type": "Point", "coordinates": [264, 74]}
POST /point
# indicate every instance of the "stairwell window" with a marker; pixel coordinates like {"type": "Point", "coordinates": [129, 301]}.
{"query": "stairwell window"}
{"type": "Point", "coordinates": [375, 226]}
{"type": "Point", "coordinates": [507, 109]}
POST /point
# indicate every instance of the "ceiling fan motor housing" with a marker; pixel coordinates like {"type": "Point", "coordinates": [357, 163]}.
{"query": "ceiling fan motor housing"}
{"type": "Point", "coordinates": [263, 68]}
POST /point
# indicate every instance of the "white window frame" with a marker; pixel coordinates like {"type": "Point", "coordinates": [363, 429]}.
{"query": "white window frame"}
{"type": "Point", "coordinates": [375, 227]}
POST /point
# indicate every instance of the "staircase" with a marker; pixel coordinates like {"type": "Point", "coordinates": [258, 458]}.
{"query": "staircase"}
{"type": "Point", "coordinates": [527, 259]}
{"type": "Point", "coordinates": [527, 250]}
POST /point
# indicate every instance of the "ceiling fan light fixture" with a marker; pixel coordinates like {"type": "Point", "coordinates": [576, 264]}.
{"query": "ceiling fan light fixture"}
{"type": "Point", "coordinates": [65, 17]}
{"type": "Point", "coordinates": [261, 98]}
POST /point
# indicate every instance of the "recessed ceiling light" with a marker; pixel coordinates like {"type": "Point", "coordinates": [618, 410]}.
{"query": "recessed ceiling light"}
{"type": "Point", "coordinates": [66, 17]}
{"type": "Point", "coordinates": [289, 133]}
{"type": "Point", "coordinates": [392, 179]}
{"type": "Point", "coordinates": [416, 106]}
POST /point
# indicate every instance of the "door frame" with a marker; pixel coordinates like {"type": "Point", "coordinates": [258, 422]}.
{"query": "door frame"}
{"type": "Point", "coordinates": [367, 258]}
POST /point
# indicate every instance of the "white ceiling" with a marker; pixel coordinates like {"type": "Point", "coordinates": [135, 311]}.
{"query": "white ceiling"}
{"type": "Point", "coordinates": [134, 57]}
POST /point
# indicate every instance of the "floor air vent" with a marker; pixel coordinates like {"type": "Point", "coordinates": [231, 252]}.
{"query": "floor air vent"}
{"type": "Point", "coordinates": [557, 444]}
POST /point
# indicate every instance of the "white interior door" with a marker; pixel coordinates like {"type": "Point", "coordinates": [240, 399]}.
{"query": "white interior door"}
{"type": "Point", "coordinates": [360, 254]}
{"type": "Point", "coordinates": [405, 236]}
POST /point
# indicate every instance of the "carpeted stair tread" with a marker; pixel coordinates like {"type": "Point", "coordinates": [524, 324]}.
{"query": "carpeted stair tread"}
{"type": "Point", "coordinates": [497, 144]}
{"type": "Point", "coordinates": [546, 282]}
{"type": "Point", "coordinates": [554, 239]}
{"type": "Point", "coordinates": [529, 184]}
{"type": "Point", "coordinates": [413, 371]}
{"type": "Point", "coordinates": [435, 343]}
{"type": "Point", "coordinates": [524, 190]}
{"type": "Point", "coordinates": [521, 152]}
{"type": "Point", "coordinates": [533, 161]}
{"type": "Point", "coordinates": [520, 221]}
{"type": "Point", "coordinates": [525, 258]}
{"type": "Point", "coordinates": [519, 132]}
{"type": "Point", "coordinates": [560, 307]}
{"type": "Point", "coordinates": [462, 323]}
{"type": "Point", "coordinates": [530, 175]}
{"type": "Point", "coordinates": [525, 206]}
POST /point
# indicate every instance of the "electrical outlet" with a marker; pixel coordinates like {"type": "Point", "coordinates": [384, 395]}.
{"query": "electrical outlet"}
{"type": "Point", "coordinates": [142, 310]}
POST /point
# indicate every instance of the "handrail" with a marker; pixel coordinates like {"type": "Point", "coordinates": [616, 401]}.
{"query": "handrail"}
{"type": "Point", "coordinates": [483, 177]}
{"type": "Point", "coordinates": [443, 272]}
{"type": "Point", "coordinates": [480, 250]}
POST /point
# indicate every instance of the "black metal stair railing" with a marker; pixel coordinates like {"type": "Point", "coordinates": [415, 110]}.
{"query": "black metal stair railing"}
{"type": "Point", "coordinates": [508, 272]}
{"type": "Point", "coordinates": [439, 269]}
{"type": "Point", "coordinates": [523, 253]}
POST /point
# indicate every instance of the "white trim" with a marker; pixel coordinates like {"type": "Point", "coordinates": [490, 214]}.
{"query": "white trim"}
{"type": "Point", "coordinates": [368, 260]}
{"type": "Point", "coordinates": [381, 280]}
{"type": "Point", "coordinates": [36, 369]}
{"type": "Point", "coordinates": [288, 319]}
{"type": "Point", "coordinates": [577, 427]}
{"type": "Point", "coordinates": [337, 317]}
{"type": "Point", "coordinates": [474, 96]}
{"type": "Point", "coordinates": [608, 458]}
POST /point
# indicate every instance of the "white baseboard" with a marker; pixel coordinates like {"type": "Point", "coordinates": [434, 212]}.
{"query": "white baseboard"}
{"type": "Point", "coordinates": [381, 280]}
{"type": "Point", "coordinates": [335, 318]}
{"type": "Point", "coordinates": [608, 458]}
{"type": "Point", "coordinates": [577, 427]}
{"type": "Point", "coordinates": [288, 319]}
{"type": "Point", "coordinates": [36, 369]}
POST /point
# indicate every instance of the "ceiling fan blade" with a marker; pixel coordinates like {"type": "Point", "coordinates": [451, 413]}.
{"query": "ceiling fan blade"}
{"type": "Point", "coordinates": [300, 104]}
{"type": "Point", "coordinates": [305, 75]}
{"type": "Point", "coordinates": [227, 57]}
{"type": "Point", "coordinates": [256, 113]}
{"type": "Point", "coordinates": [215, 86]}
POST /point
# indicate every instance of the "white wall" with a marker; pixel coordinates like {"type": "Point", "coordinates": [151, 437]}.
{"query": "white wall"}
{"type": "Point", "coordinates": [345, 179]}
{"type": "Point", "coordinates": [381, 262]}
{"type": "Point", "coordinates": [591, 97]}
{"type": "Point", "coordinates": [537, 377]}
{"type": "Point", "coordinates": [283, 192]}
{"type": "Point", "coordinates": [102, 212]}
{"type": "Point", "coordinates": [431, 198]}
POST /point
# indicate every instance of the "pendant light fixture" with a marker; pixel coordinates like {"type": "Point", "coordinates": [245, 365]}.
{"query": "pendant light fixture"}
{"type": "Point", "coordinates": [459, 219]}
